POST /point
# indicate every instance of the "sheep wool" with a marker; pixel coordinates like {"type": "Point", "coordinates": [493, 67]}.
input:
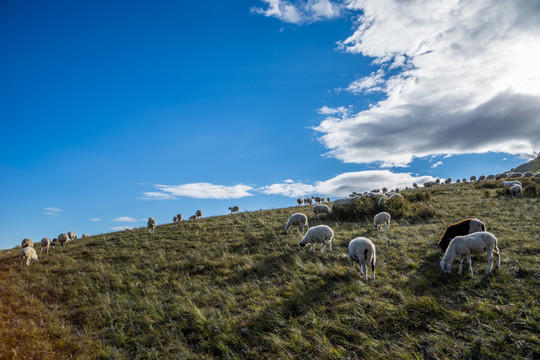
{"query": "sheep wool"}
{"type": "Point", "coordinates": [382, 221]}
{"type": "Point", "coordinates": [463, 227]}
{"type": "Point", "coordinates": [151, 225]}
{"type": "Point", "coordinates": [462, 247]}
{"type": "Point", "coordinates": [28, 254]}
{"type": "Point", "coordinates": [298, 220]}
{"type": "Point", "coordinates": [321, 209]}
{"type": "Point", "coordinates": [45, 245]}
{"type": "Point", "coordinates": [322, 234]}
{"type": "Point", "coordinates": [362, 250]}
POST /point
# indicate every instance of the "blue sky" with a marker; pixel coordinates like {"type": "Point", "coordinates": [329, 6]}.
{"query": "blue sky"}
{"type": "Point", "coordinates": [113, 112]}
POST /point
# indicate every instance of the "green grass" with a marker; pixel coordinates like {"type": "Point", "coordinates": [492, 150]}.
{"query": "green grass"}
{"type": "Point", "coordinates": [237, 286]}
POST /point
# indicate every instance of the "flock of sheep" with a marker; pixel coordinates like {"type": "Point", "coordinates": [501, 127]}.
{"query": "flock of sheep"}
{"type": "Point", "coordinates": [459, 241]}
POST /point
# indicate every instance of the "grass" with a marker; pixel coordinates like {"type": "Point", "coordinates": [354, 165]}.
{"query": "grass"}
{"type": "Point", "coordinates": [237, 286]}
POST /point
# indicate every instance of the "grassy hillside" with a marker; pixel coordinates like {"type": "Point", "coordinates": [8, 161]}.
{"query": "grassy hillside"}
{"type": "Point", "coordinates": [533, 165]}
{"type": "Point", "coordinates": [237, 286]}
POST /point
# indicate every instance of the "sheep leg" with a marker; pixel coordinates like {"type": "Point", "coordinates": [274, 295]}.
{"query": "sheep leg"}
{"type": "Point", "coordinates": [496, 251]}
{"type": "Point", "coordinates": [312, 247]}
{"type": "Point", "coordinates": [490, 262]}
{"type": "Point", "coordinates": [323, 246]}
{"type": "Point", "coordinates": [470, 264]}
{"type": "Point", "coordinates": [361, 268]}
{"type": "Point", "coordinates": [460, 266]}
{"type": "Point", "coordinates": [330, 244]}
{"type": "Point", "coordinates": [366, 275]}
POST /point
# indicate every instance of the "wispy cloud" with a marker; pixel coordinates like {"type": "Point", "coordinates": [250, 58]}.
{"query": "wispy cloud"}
{"type": "Point", "coordinates": [200, 191]}
{"type": "Point", "coordinates": [94, 219]}
{"type": "Point", "coordinates": [126, 219]}
{"type": "Point", "coordinates": [52, 211]}
{"type": "Point", "coordinates": [346, 183]}
{"type": "Point", "coordinates": [300, 12]}
{"type": "Point", "coordinates": [436, 164]}
{"type": "Point", "coordinates": [451, 81]}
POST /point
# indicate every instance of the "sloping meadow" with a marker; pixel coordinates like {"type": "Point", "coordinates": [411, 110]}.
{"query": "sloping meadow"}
{"type": "Point", "coordinates": [238, 286]}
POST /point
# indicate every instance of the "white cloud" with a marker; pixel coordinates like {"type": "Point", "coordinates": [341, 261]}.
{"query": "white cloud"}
{"type": "Point", "coordinates": [157, 196]}
{"type": "Point", "coordinates": [344, 184]}
{"type": "Point", "coordinates": [52, 211]}
{"type": "Point", "coordinates": [200, 191]}
{"type": "Point", "coordinates": [465, 79]}
{"type": "Point", "coordinates": [125, 219]}
{"type": "Point", "coordinates": [341, 110]}
{"type": "Point", "coordinates": [94, 219]}
{"type": "Point", "coordinates": [121, 228]}
{"type": "Point", "coordinates": [300, 12]}
{"type": "Point", "coordinates": [436, 164]}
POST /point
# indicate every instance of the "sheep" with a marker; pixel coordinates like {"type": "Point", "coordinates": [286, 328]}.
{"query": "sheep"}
{"type": "Point", "coordinates": [463, 227]}
{"type": "Point", "coordinates": [472, 178]}
{"type": "Point", "coordinates": [429, 184]}
{"type": "Point", "coordinates": [318, 234]}
{"type": "Point", "coordinates": [178, 218]}
{"type": "Point", "coordinates": [85, 236]}
{"type": "Point", "coordinates": [362, 250]}
{"type": "Point", "coordinates": [448, 181]}
{"type": "Point", "coordinates": [328, 199]}
{"type": "Point", "coordinates": [321, 209]}
{"type": "Point", "coordinates": [515, 175]}
{"type": "Point", "coordinates": [510, 183]}
{"type": "Point", "coordinates": [501, 176]}
{"type": "Point", "coordinates": [63, 238]}
{"type": "Point", "coordinates": [300, 201]}
{"type": "Point", "coordinates": [192, 217]}
{"type": "Point", "coordinates": [234, 209]}
{"type": "Point", "coordinates": [297, 220]}
{"type": "Point", "coordinates": [45, 245]}
{"type": "Point", "coordinates": [27, 243]}
{"type": "Point", "coordinates": [28, 254]}
{"type": "Point", "coordinates": [458, 181]}
{"type": "Point", "coordinates": [490, 177]}
{"type": "Point", "coordinates": [317, 199]}
{"type": "Point", "coordinates": [481, 178]}
{"type": "Point", "coordinates": [395, 195]}
{"type": "Point", "coordinates": [198, 213]}
{"type": "Point", "coordinates": [463, 246]}
{"type": "Point", "coordinates": [528, 174]}
{"type": "Point", "coordinates": [537, 175]}
{"type": "Point", "coordinates": [151, 225]}
{"type": "Point", "coordinates": [415, 185]}
{"type": "Point", "coordinates": [309, 200]}
{"type": "Point", "coordinates": [72, 235]}
{"type": "Point", "coordinates": [55, 242]}
{"type": "Point", "coordinates": [515, 190]}
{"type": "Point", "coordinates": [382, 221]}
{"type": "Point", "coordinates": [341, 202]}
{"type": "Point", "coordinates": [464, 180]}
{"type": "Point", "coordinates": [382, 200]}
{"type": "Point", "coordinates": [174, 220]}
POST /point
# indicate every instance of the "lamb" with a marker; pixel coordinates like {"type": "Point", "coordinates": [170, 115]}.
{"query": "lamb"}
{"type": "Point", "coordinates": [382, 221]}
{"type": "Point", "coordinates": [297, 220]}
{"type": "Point", "coordinates": [198, 213]}
{"type": "Point", "coordinates": [63, 238]}
{"type": "Point", "coordinates": [463, 227]}
{"type": "Point", "coordinates": [463, 246]}
{"type": "Point", "coordinates": [28, 254]}
{"type": "Point", "coordinates": [71, 235]}
{"type": "Point", "coordinates": [321, 209]}
{"type": "Point", "coordinates": [515, 190]}
{"type": "Point", "coordinates": [234, 209]}
{"type": "Point", "coordinates": [362, 250]}
{"type": "Point", "coordinates": [45, 245]}
{"type": "Point", "coordinates": [27, 243]}
{"type": "Point", "coordinates": [151, 225]}
{"type": "Point", "coordinates": [510, 183]}
{"type": "Point", "coordinates": [318, 234]}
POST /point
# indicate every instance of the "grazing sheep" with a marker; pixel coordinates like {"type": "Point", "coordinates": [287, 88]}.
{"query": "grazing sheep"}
{"type": "Point", "coordinates": [490, 177]}
{"type": "Point", "coordinates": [515, 190]}
{"type": "Point", "coordinates": [192, 217]}
{"type": "Point", "coordinates": [510, 183]}
{"type": "Point", "coordinates": [395, 195]}
{"type": "Point", "coordinates": [174, 220]}
{"type": "Point", "coordinates": [309, 200]}
{"type": "Point", "coordinates": [515, 175]}
{"type": "Point", "coordinates": [55, 242]}
{"type": "Point", "coordinates": [501, 176]}
{"type": "Point", "coordinates": [415, 185]}
{"type": "Point", "coordinates": [28, 254]}
{"type": "Point", "coordinates": [528, 174]}
{"type": "Point", "coordinates": [85, 236]}
{"type": "Point", "coordinates": [458, 181]}
{"type": "Point", "coordinates": [198, 213]}
{"type": "Point", "coordinates": [481, 178]}
{"type": "Point", "coordinates": [382, 200]}
{"type": "Point", "coordinates": [317, 199]}
{"type": "Point", "coordinates": [318, 234]}
{"type": "Point", "coordinates": [463, 246]}
{"type": "Point", "coordinates": [27, 243]}
{"type": "Point", "coordinates": [463, 227]}
{"type": "Point", "coordinates": [472, 178]}
{"type": "Point", "coordinates": [537, 175]}
{"type": "Point", "coordinates": [448, 181]}
{"type": "Point", "coordinates": [234, 209]}
{"type": "Point", "coordinates": [178, 218]}
{"type": "Point", "coordinates": [63, 238]}
{"type": "Point", "coordinates": [151, 225]}
{"type": "Point", "coordinates": [382, 221]}
{"type": "Point", "coordinates": [297, 220]}
{"type": "Point", "coordinates": [321, 209]}
{"type": "Point", "coordinates": [429, 184]}
{"type": "Point", "coordinates": [341, 202]}
{"type": "Point", "coordinates": [45, 245]}
{"type": "Point", "coordinates": [328, 199]}
{"type": "Point", "coordinates": [362, 250]}
{"type": "Point", "coordinates": [71, 235]}
{"type": "Point", "coordinates": [300, 201]}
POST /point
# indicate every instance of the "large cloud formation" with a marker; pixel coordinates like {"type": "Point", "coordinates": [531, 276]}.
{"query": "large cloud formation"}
{"type": "Point", "coordinates": [458, 77]}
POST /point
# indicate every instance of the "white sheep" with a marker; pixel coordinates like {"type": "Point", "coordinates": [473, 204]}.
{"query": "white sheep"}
{"type": "Point", "coordinates": [382, 221]}
{"type": "Point", "coordinates": [28, 254]}
{"type": "Point", "coordinates": [461, 247]}
{"type": "Point", "coordinates": [174, 220]}
{"type": "Point", "coordinates": [510, 183]}
{"type": "Point", "coordinates": [192, 217]}
{"type": "Point", "coordinates": [515, 175]}
{"type": "Point", "coordinates": [234, 209]}
{"type": "Point", "coordinates": [179, 218]}
{"type": "Point", "coordinates": [72, 235]}
{"type": "Point", "coordinates": [528, 174]}
{"type": "Point", "coordinates": [362, 250]}
{"type": "Point", "coordinates": [45, 245]}
{"type": "Point", "coordinates": [27, 243]}
{"type": "Point", "coordinates": [198, 213]}
{"type": "Point", "coordinates": [85, 236]}
{"type": "Point", "coordinates": [515, 190]}
{"type": "Point", "coordinates": [151, 225]}
{"type": "Point", "coordinates": [300, 201]}
{"type": "Point", "coordinates": [297, 220]}
{"type": "Point", "coordinates": [321, 209]}
{"type": "Point", "coordinates": [395, 195]}
{"type": "Point", "coordinates": [318, 234]}
{"type": "Point", "coordinates": [63, 238]}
